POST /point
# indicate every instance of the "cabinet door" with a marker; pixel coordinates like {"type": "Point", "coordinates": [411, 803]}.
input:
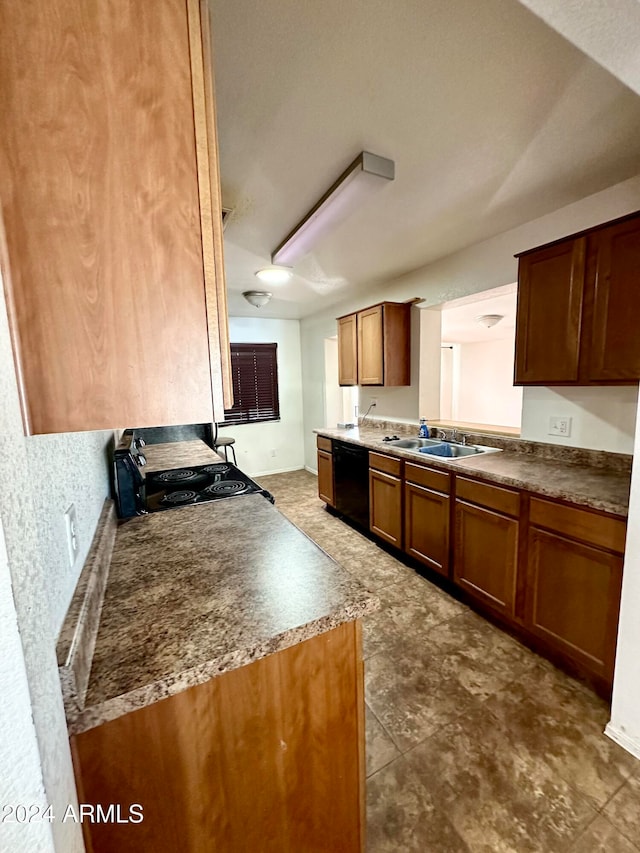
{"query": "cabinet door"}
{"type": "Point", "coordinates": [614, 291]}
{"type": "Point", "coordinates": [486, 556]}
{"type": "Point", "coordinates": [325, 477]}
{"type": "Point", "coordinates": [573, 598]}
{"type": "Point", "coordinates": [370, 346]}
{"type": "Point", "coordinates": [548, 319]}
{"type": "Point", "coordinates": [385, 507]}
{"type": "Point", "coordinates": [426, 527]}
{"type": "Point", "coordinates": [348, 350]}
{"type": "Point", "coordinates": [104, 253]}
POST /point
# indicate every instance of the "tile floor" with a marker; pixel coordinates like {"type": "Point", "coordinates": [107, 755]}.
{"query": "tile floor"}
{"type": "Point", "coordinates": [474, 743]}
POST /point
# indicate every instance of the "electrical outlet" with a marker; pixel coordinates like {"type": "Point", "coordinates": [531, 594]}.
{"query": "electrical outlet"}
{"type": "Point", "coordinates": [560, 426]}
{"type": "Point", "coordinates": [71, 523]}
{"type": "Point", "coordinates": [374, 401]}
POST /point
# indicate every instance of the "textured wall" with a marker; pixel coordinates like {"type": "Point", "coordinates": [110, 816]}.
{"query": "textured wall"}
{"type": "Point", "coordinates": [39, 477]}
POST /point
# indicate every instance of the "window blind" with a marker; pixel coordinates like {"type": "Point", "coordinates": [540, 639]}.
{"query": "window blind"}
{"type": "Point", "coordinates": [254, 371]}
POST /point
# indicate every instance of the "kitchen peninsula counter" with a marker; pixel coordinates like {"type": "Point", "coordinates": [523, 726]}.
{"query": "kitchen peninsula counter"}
{"type": "Point", "coordinates": [592, 479]}
{"type": "Point", "coordinates": [196, 592]}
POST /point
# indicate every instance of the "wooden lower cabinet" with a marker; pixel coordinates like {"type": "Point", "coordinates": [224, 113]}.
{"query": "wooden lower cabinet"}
{"type": "Point", "coordinates": [427, 508]}
{"type": "Point", "coordinates": [486, 555]}
{"type": "Point", "coordinates": [325, 477]}
{"type": "Point", "coordinates": [267, 757]}
{"type": "Point", "coordinates": [573, 589]}
{"type": "Point", "coordinates": [385, 506]}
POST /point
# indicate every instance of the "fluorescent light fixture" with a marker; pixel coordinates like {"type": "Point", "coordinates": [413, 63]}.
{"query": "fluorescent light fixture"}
{"type": "Point", "coordinates": [257, 298]}
{"type": "Point", "coordinates": [274, 275]}
{"type": "Point", "coordinates": [367, 172]}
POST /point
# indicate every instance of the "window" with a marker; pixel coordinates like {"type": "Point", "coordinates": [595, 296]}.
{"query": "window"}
{"type": "Point", "coordinates": [254, 369]}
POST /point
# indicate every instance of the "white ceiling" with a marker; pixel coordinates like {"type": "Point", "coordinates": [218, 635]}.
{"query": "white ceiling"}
{"type": "Point", "coordinates": [460, 317]}
{"type": "Point", "coordinates": [492, 118]}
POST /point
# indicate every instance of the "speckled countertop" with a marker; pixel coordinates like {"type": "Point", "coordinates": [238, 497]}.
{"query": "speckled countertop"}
{"type": "Point", "coordinates": [587, 478]}
{"type": "Point", "coordinates": [201, 590]}
{"type": "Point", "coordinates": [177, 453]}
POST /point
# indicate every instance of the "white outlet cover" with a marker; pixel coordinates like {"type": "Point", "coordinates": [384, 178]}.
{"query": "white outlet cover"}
{"type": "Point", "coordinates": [71, 525]}
{"type": "Point", "coordinates": [560, 426]}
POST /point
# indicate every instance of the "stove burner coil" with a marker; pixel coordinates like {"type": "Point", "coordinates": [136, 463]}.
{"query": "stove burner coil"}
{"type": "Point", "coordinates": [183, 496]}
{"type": "Point", "coordinates": [225, 488]}
{"type": "Point", "coordinates": [177, 476]}
{"type": "Point", "coordinates": [218, 468]}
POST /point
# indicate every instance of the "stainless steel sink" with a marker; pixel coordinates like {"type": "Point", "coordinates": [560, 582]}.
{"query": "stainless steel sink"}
{"type": "Point", "coordinates": [413, 443]}
{"type": "Point", "coordinates": [438, 447]}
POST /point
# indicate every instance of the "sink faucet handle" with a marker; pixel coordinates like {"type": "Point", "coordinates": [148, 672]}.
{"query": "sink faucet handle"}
{"type": "Point", "coordinates": [442, 434]}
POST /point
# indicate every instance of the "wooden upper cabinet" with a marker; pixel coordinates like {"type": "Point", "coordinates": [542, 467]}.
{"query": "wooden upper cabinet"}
{"type": "Point", "coordinates": [577, 300]}
{"type": "Point", "coordinates": [348, 350]}
{"type": "Point", "coordinates": [112, 261]}
{"type": "Point", "coordinates": [374, 345]}
{"type": "Point", "coordinates": [550, 294]}
{"type": "Point", "coordinates": [613, 287]}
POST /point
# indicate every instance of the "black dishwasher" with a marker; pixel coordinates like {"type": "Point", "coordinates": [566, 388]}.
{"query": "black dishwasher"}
{"type": "Point", "coordinates": [351, 479]}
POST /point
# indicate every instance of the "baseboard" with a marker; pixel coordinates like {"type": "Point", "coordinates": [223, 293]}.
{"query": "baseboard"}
{"type": "Point", "coordinates": [630, 744]}
{"type": "Point", "coordinates": [311, 470]}
{"type": "Point", "coordinates": [275, 471]}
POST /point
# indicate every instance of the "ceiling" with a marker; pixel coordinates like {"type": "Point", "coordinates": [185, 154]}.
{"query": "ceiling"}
{"type": "Point", "coordinates": [491, 117]}
{"type": "Point", "coordinates": [460, 317]}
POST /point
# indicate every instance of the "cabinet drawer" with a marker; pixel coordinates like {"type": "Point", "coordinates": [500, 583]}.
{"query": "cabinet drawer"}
{"type": "Point", "coordinates": [324, 444]}
{"type": "Point", "coordinates": [388, 464]}
{"type": "Point", "coordinates": [493, 497]}
{"type": "Point", "coordinates": [427, 477]}
{"type": "Point", "coordinates": [603, 531]}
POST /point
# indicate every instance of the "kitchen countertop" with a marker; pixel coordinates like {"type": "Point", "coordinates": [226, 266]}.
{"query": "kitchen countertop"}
{"type": "Point", "coordinates": [198, 591]}
{"type": "Point", "coordinates": [174, 454]}
{"type": "Point", "coordinates": [592, 486]}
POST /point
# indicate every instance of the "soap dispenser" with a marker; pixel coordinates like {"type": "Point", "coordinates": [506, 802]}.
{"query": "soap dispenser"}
{"type": "Point", "coordinates": [424, 428]}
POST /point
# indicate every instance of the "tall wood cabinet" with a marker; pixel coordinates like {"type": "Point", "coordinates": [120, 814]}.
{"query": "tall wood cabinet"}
{"type": "Point", "coordinates": [112, 252]}
{"type": "Point", "coordinates": [374, 345]}
{"type": "Point", "coordinates": [577, 303]}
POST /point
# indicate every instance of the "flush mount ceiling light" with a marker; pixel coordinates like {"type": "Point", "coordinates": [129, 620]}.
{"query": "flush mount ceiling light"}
{"type": "Point", "coordinates": [274, 275]}
{"type": "Point", "coordinates": [257, 298]}
{"type": "Point", "coordinates": [367, 172]}
{"type": "Point", "coordinates": [489, 320]}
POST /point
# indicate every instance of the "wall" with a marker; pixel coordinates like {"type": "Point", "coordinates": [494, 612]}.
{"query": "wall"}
{"type": "Point", "coordinates": [39, 477]}
{"type": "Point", "coordinates": [478, 267]}
{"type": "Point", "coordinates": [255, 443]}
{"type": "Point", "coordinates": [485, 390]}
{"type": "Point", "coordinates": [602, 418]}
{"type": "Point", "coordinates": [624, 726]}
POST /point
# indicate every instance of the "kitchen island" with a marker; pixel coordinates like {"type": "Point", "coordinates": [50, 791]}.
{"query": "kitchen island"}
{"type": "Point", "coordinates": [225, 684]}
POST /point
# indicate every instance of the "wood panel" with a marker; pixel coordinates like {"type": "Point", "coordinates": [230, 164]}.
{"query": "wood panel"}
{"type": "Point", "coordinates": [488, 495]}
{"type": "Point", "coordinates": [613, 284]}
{"type": "Point", "coordinates": [325, 477]}
{"type": "Point", "coordinates": [348, 350]}
{"type": "Point", "coordinates": [323, 443]}
{"type": "Point", "coordinates": [370, 347]}
{"type": "Point", "coordinates": [204, 110]}
{"type": "Point", "coordinates": [267, 757]}
{"type": "Point", "coordinates": [397, 343]}
{"type": "Point", "coordinates": [385, 507]}
{"type": "Point", "coordinates": [101, 208]}
{"type": "Point", "coordinates": [548, 317]}
{"type": "Point", "coordinates": [486, 556]}
{"type": "Point", "coordinates": [388, 464]}
{"type": "Point", "coordinates": [427, 477]}
{"type": "Point", "coordinates": [426, 527]}
{"type": "Point", "coordinates": [594, 528]}
{"type": "Point", "coordinates": [574, 599]}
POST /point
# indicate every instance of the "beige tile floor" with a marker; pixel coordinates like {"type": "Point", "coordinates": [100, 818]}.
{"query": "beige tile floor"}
{"type": "Point", "coordinates": [474, 743]}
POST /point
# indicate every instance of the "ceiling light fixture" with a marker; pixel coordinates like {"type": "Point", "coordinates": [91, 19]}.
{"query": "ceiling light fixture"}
{"type": "Point", "coordinates": [274, 275]}
{"type": "Point", "coordinates": [257, 298]}
{"type": "Point", "coordinates": [363, 175]}
{"type": "Point", "coordinates": [489, 320]}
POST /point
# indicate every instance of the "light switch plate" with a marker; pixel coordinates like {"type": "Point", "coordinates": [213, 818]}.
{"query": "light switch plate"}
{"type": "Point", "coordinates": [71, 524]}
{"type": "Point", "coordinates": [560, 426]}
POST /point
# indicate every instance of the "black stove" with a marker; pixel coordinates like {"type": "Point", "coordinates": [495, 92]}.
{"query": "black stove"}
{"type": "Point", "coordinates": [172, 488]}
{"type": "Point", "coordinates": [196, 484]}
